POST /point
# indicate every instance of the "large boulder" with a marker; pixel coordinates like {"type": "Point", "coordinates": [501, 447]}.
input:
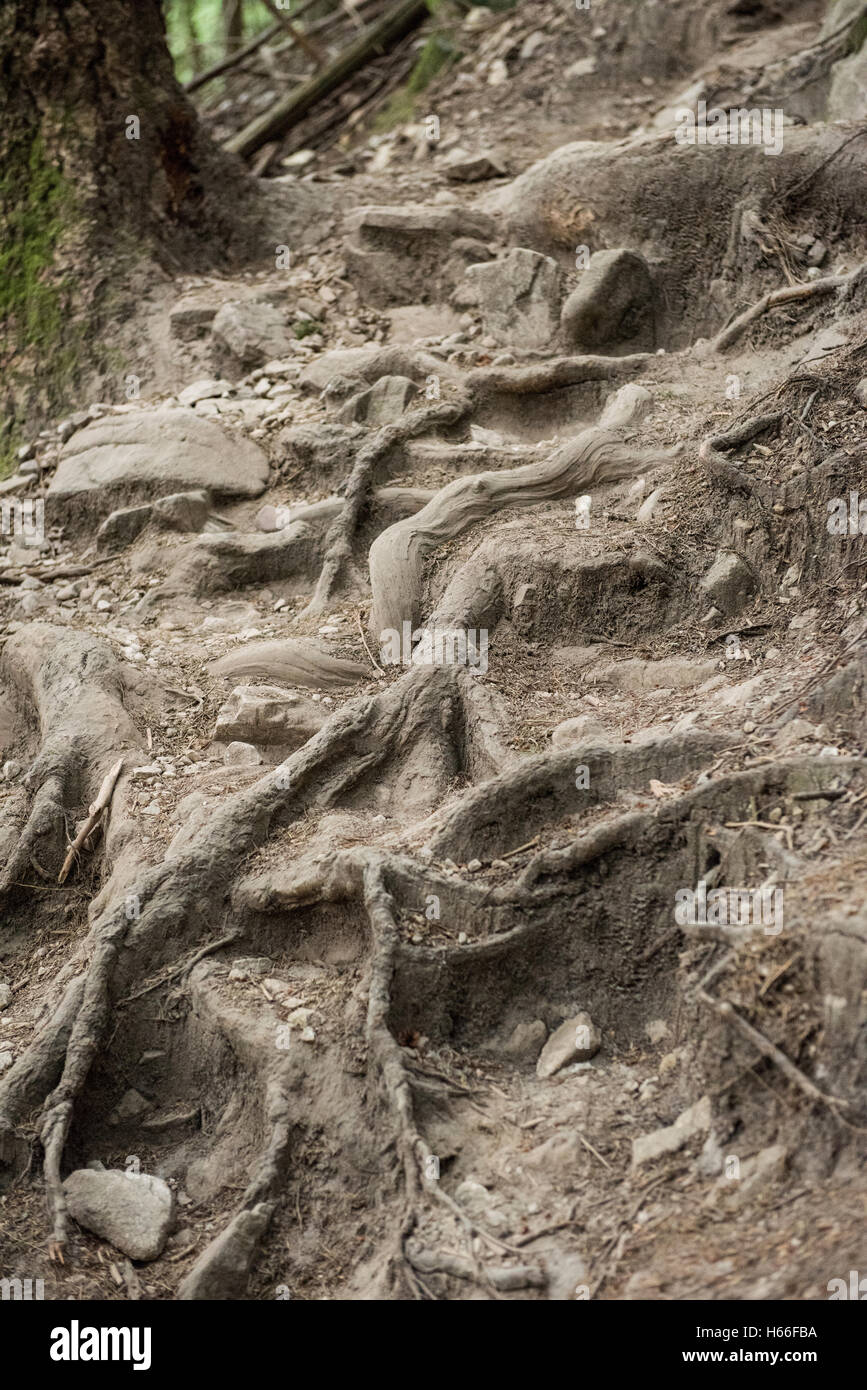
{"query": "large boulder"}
{"type": "Point", "coordinates": [612, 307]}
{"type": "Point", "coordinates": [401, 255]}
{"type": "Point", "coordinates": [139, 456]}
{"type": "Point", "coordinates": [518, 297]}
{"type": "Point", "coordinates": [132, 1211]}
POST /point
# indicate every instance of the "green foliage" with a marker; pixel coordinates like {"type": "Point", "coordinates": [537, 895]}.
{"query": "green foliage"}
{"type": "Point", "coordinates": [196, 31]}
{"type": "Point", "coordinates": [304, 327]}
{"type": "Point", "coordinates": [438, 53]}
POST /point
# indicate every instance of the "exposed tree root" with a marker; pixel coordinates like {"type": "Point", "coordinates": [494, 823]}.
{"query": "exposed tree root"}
{"type": "Point", "coordinates": [787, 295]}
{"type": "Point", "coordinates": [338, 542]}
{"type": "Point", "coordinates": [397, 555]}
{"type": "Point", "coordinates": [77, 690]}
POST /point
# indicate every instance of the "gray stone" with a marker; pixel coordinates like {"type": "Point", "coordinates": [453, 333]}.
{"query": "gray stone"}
{"type": "Point", "coordinates": [122, 527]}
{"type": "Point", "coordinates": [182, 511]}
{"type": "Point", "coordinates": [249, 967]}
{"type": "Point", "coordinates": [237, 754]}
{"type": "Point", "coordinates": [461, 167]}
{"type": "Point", "coordinates": [67, 428]}
{"type": "Point", "coordinates": [222, 1270]}
{"type": "Point", "coordinates": [518, 297]}
{"type": "Point", "coordinates": [136, 456]}
{"type": "Point", "coordinates": [584, 728]}
{"type": "Point", "coordinates": [6, 995]}
{"type": "Point", "coordinates": [133, 1211]}
{"type": "Point", "coordinates": [729, 582]}
{"type": "Point", "coordinates": [189, 320]}
{"type": "Point", "coordinates": [695, 1120]}
{"type": "Point", "coordinates": [612, 306]}
{"type": "Point", "coordinates": [576, 1040]}
{"type": "Point", "coordinates": [205, 389]}
{"type": "Point", "coordinates": [626, 407]}
{"type": "Point", "coordinates": [265, 714]}
{"type": "Point", "coordinates": [6, 1060]}
{"type": "Point", "coordinates": [247, 335]}
{"type": "Point", "coordinates": [400, 255]}
{"type": "Point", "coordinates": [861, 392]}
{"type": "Point", "coordinates": [381, 403]}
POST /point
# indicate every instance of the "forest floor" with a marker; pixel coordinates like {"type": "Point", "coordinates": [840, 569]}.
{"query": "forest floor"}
{"type": "Point", "coordinates": [309, 966]}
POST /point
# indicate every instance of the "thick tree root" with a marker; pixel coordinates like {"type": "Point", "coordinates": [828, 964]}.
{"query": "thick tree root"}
{"type": "Point", "coordinates": [338, 542]}
{"type": "Point", "coordinates": [397, 555]}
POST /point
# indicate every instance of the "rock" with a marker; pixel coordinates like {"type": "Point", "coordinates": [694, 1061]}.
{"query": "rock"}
{"type": "Point", "coordinates": [293, 660]}
{"type": "Point", "coordinates": [391, 252]}
{"type": "Point", "coordinates": [131, 1105]}
{"type": "Point", "coordinates": [133, 457]}
{"type": "Point", "coordinates": [650, 506]}
{"type": "Point", "coordinates": [266, 714]}
{"type": "Point", "coordinates": [612, 306]}
{"type": "Point", "coordinates": [123, 526]}
{"type": "Point", "coordinates": [626, 407]}
{"type": "Point", "coordinates": [460, 167]}
{"type": "Point", "coordinates": [729, 582]}
{"type": "Point", "coordinates": [182, 511]}
{"type": "Point", "coordinates": [249, 967]}
{"type": "Point", "coordinates": [134, 1212]}
{"type": "Point", "coordinates": [239, 754]}
{"type": "Point", "coordinates": [532, 43]}
{"type": "Point", "coordinates": [189, 320]}
{"type": "Point", "coordinates": [222, 1270]}
{"type": "Point", "coordinates": [567, 1276]}
{"type": "Point", "coordinates": [847, 97]}
{"type": "Point", "coordinates": [518, 297]}
{"type": "Point", "coordinates": [695, 1120]}
{"type": "Point", "coordinates": [526, 1041]}
{"type": "Point", "coordinates": [576, 72]}
{"type": "Point", "coordinates": [584, 728]}
{"type": "Point", "coordinates": [733, 1190]}
{"type": "Point", "coordinates": [247, 334]}
{"type": "Point", "coordinates": [861, 392]}
{"type": "Point", "coordinates": [381, 403]}
{"type": "Point", "coordinates": [205, 389]}
{"type": "Point", "coordinates": [6, 1060]}
{"type": "Point", "coordinates": [576, 1040]}
{"type": "Point", "coordinates": [67, 428]}
{"type": "Point", "coordinates": [6, 995]}
{"type": "Point", "coordinates": [827, 340]}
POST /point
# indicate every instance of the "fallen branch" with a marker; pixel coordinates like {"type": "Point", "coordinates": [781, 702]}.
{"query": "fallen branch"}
{"type": "Point", "coordinates": [729, 1014]}
{"type": "Point", "coordinates": [95, 815]}
{"type": "Point", "coordinates": [288, 111]}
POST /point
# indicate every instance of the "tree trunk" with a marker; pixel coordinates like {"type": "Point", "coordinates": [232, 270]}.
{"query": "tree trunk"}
{"type": "Point", "coordinates": [104, 167]}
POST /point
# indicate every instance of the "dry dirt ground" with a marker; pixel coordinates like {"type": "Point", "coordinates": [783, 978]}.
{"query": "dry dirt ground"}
{"type": "Point", "coordinates": [304, 966]}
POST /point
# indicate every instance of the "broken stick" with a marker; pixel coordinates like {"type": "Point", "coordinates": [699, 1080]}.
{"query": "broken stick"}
{"type": "Point", "coordinates": [95, 812]}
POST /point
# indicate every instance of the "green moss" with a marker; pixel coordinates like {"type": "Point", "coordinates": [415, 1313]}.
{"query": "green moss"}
{"type": "Point", "coordinates": [304, 327]}
{"type": "Point", "coordinates": [37, 338]}
{"type": "Point", "coordinates": [34, 204]}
